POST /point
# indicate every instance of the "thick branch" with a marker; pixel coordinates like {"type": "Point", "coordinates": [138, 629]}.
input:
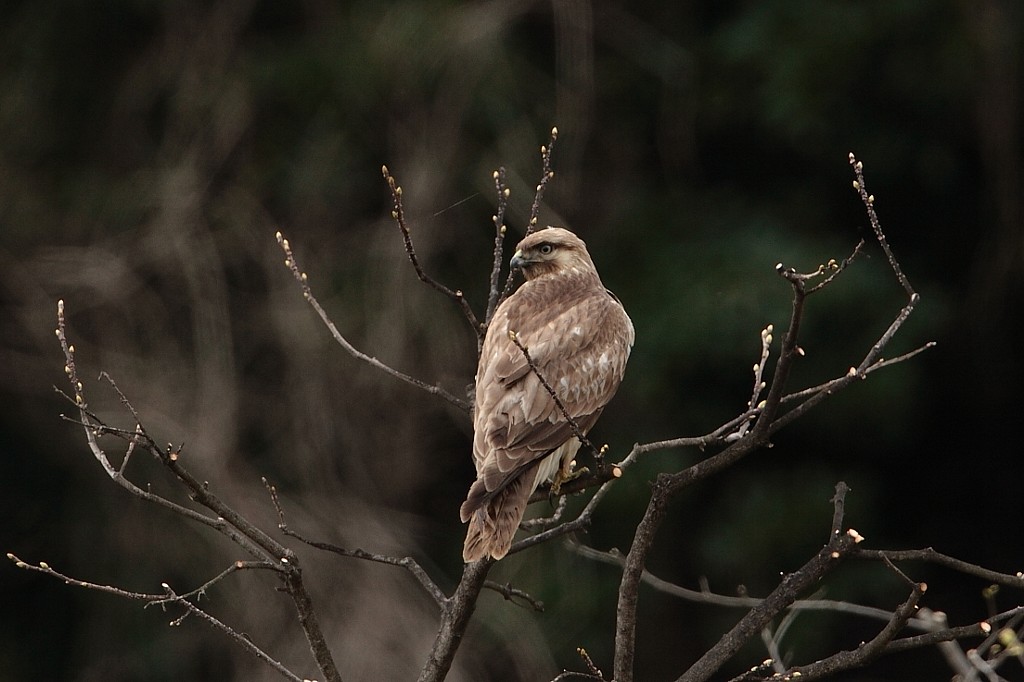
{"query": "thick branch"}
{"type": "Point", "coordinates": [792, 586]}
{"type": "Point", "coordinates": [455, 616]}
{"type": "Point", "coordinates": [668, 485]}
{"type": "Point", "coordinates": [867, 651]}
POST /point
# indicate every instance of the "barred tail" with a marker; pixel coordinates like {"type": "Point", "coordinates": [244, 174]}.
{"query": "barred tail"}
{"type": "Point", "coordinates": [495, 516]}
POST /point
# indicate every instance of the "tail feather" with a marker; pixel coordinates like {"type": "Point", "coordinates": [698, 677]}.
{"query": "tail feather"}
{"type": "Point", "coordinates": [493, 520]}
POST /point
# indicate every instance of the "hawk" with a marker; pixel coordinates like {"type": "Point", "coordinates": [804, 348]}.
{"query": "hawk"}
{"type": "Point", "coordinates": [579, 338]}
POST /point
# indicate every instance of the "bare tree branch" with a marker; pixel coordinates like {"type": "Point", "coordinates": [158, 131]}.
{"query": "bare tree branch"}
{"type": "Point", "coordinates": [838, 547]}
{"type": "Point", "coordinates": [767, 422]}
{"type": "Point", "coordinates": [869, 205]}
{"type": "Point", "coordinates": [513, 594]}
{"type": "Point", "coordinates": [169, 597]}
{"type": "Point", "coordinates": [867, 651]}
{"type": "Point", "coordinates": [614, 557]}
{"type": "Point", "coordinates": [545, 177]}
{"type": "Point", "coordinates": [499, 243]}
{"type": "Point", "coordinates": [455, 616]}
{"type": "Point", "coordinates": [398, 213]}
{"type": "Point", "coordinates": [407, 563]}
{"type": "Point", "coordinates": [241, 639]}
{"type": "Point", "coordinates": [227, 521]}
{"type": "Point", "coordinates": [593, 672]}
{"type": "Point", "coordinates": [770, 408]}
{"type": "Point", "coordinates": [930, 555]}
{"type": "Point", "coordinates": [538, 197]}
{"type": "Point", "coordinates": [307, 293]}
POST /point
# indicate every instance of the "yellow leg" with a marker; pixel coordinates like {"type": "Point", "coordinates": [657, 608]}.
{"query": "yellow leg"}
{"type": "Point", "coordinates": [565, 474]}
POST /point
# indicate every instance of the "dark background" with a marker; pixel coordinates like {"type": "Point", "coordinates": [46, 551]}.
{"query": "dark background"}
{"type": "Point", "coordinates": [149, 151]}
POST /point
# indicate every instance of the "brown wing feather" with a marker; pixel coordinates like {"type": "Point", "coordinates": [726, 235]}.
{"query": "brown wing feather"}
{"type": "Point", "coordinates": [579, 356]}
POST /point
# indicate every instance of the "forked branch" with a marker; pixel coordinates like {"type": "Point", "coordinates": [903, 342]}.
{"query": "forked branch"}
{"type": "Point", "coordinates": [267, 552]}
{"type": "Point", "coordinates": [769, 419]}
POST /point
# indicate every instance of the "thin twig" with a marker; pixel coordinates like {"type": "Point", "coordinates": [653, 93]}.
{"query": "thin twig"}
{"type": "Point", "coordinates": [307, 293]}
{"type": "Point", "coordinates": [759, 384]}
{"type": "Point", "coordinates": [867, 651]}
{"type": "Point", "coordinates": [227, 521]}
{"type": "Point", "coordinates": [929, 555]}
{"type": "Point", "coordinates": [531, 225]}
{"type": "Point", "coordinates": [407, 563]}
{"type": "Point", "coordinates": [239, 638]}
{"type": "Point", "coordinates": [837, 268]}
{"type": "Point", "coordinates": [953, 633]}
{"type": "Point", "coordinates": [593, 672]}
{"type": "Point", "coordinates": [169, 597]}
{"type": "Point", "coordinates": [545, 176]}
{"type": "Point", "coordinates": [398, 213]}
{"type": "Point", "coordinates": [614, 557]}
{"type": "Point", "coordinates": [548, 521]}
{"type": "Point", "coordinates": [869, 205]}
{"type": "Point", "coordinates": [93, 427]}
{"type": "Point", "coordinates": [831, 384]}
{"type": "Point", "coordinates": [792, 585]}
{"type": "Point", "coordinates": [499, 242]}
{"type": "Point", "coordinates": [513, 593]}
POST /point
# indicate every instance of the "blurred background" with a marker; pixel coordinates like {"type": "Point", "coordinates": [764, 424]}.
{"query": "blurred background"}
{"type": "Point", "coordinates": [149, 152]}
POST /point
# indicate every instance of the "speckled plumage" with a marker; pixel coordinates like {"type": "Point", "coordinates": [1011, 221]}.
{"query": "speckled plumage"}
{"type": "Point", "coordinates": [579, 337]}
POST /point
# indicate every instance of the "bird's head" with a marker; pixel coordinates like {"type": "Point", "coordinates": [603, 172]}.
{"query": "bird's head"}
{"type": "Point", "coordinates": [554, 250]}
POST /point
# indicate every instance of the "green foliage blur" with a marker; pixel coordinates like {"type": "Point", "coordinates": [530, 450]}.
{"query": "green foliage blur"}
{"type": "Point", "coordinates": [150, 151]}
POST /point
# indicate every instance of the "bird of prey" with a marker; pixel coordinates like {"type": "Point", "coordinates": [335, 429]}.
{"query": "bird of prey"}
{"type": "Point", "coordinates": [578, 337]}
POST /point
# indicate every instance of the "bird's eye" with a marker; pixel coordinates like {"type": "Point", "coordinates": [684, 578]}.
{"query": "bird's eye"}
{"type": "Point", "coordinates": [545, 249]}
